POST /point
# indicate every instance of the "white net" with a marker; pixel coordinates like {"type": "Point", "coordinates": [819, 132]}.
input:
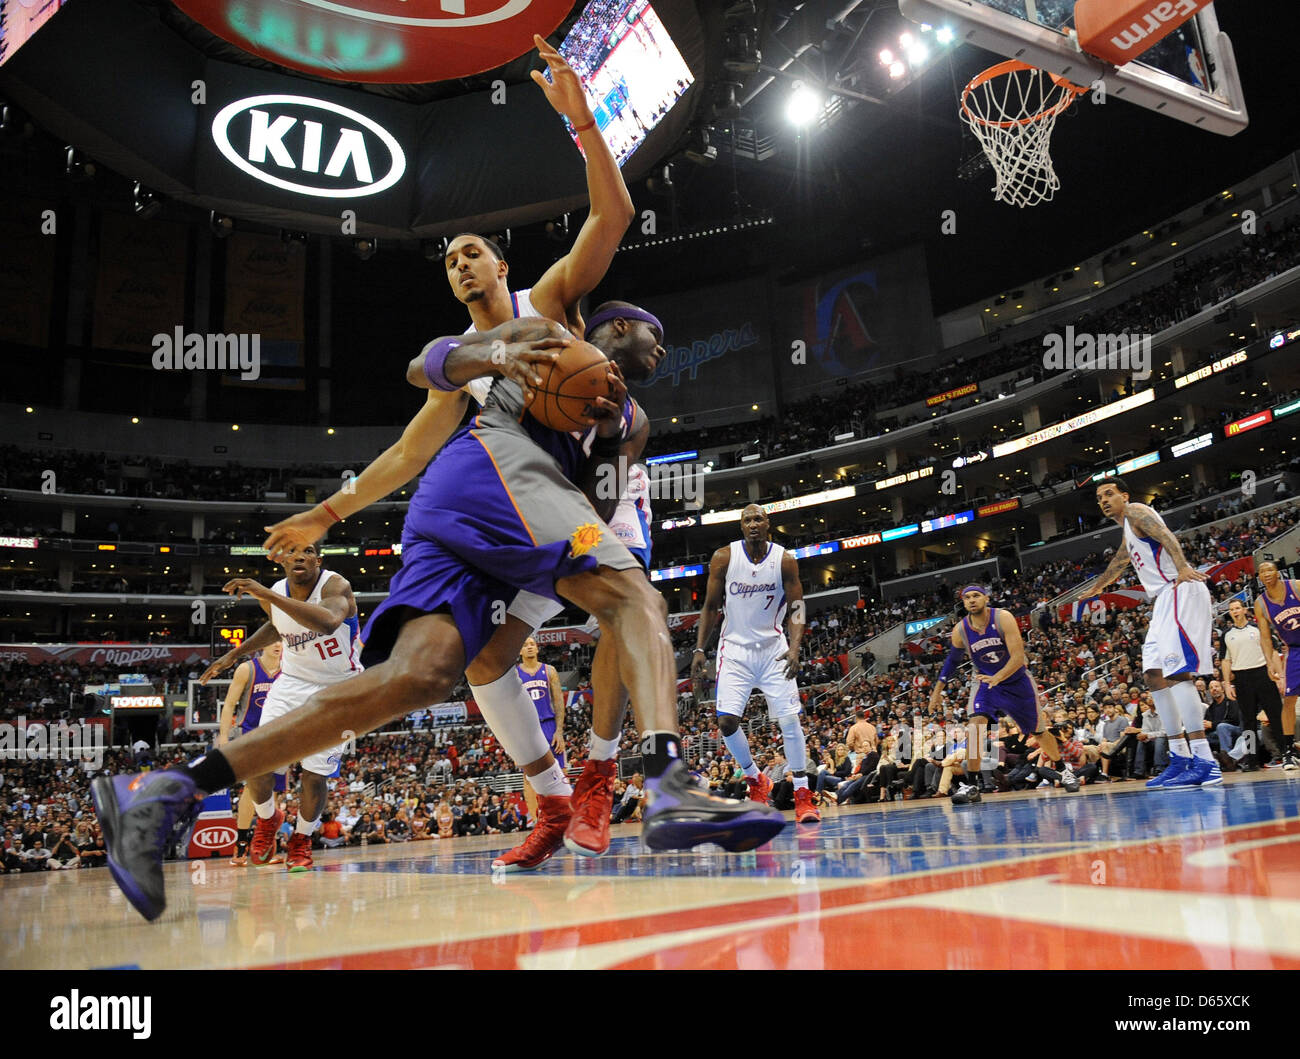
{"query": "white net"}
{"type": "Point", "coordinates": [1012, 109]}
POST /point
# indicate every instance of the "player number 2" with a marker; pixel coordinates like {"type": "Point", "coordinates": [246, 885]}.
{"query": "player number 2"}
{"type": "Point", "coordinates": [332, 644]}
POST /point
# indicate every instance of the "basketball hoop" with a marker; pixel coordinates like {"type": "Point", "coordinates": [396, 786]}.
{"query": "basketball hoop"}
{"type": "Point", "coordinates": [1012, 109]}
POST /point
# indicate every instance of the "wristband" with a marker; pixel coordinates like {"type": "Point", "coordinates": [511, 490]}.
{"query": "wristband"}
{"type": "Point", "coordinates": [330, 511]}
{"type": "Point", "coordinates": [701, 651]}
{"type": "Point", "coordinates": [583, 128]}
{"type": "Point", "coordinates": [435, 361]}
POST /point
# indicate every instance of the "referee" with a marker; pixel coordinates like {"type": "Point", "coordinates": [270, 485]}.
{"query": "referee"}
{"type": "Point", "coordinates": [1247, 680]}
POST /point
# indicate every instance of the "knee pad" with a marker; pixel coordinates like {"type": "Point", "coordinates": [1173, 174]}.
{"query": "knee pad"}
{"type": "Point", "coordinates": [727, 724]}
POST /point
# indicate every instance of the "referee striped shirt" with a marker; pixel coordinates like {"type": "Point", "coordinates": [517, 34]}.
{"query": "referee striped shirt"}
{"type": "Point", "coordinates": [1242, 645]}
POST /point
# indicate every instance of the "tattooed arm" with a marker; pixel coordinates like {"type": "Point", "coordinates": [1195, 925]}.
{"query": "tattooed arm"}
{"type": "Point", "coordinates": [1113, 569]}
{"type": "Point", "coordinates": [1146, 523]}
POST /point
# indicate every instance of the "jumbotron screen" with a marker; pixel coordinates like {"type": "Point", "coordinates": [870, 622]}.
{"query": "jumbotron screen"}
{"type": "Point", "coordinates": [19, 19]}
{"type": "Point", "coordinates": [633, 71]}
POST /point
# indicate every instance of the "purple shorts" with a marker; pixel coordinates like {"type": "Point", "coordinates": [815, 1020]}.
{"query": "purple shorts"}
{"type": "Point", "coordinates": [493, 515]}
{"type": "Point", "coordinates": [1016, 697]}
{"type": "Point", "coordinates": [1292, 673]}
{"type": "Point", "coordinates": [548, 727]}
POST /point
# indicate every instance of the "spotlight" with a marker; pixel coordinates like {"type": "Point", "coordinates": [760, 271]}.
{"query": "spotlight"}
{"type": "Point", "coordinates": [14, 124]}
{"type": "Point", "coordinates": [725, 104]}
{"type": "Point", "coordinates": [434, 249]}
{"type": "Point", "coordinates": [804, 105]}
{"type": "Point", "coordinates": [886, 57]}
{"type": "Point", "coordinates": [945, 35]}
{"type": "Point", "coordinates": [661, 183]}
{"type": "Point", "coordinates": [558, 230]}
{"type": "Point", "coordinates": [293, 240]}
{"type": "Point", "coordinates": [220, 224]}
{"type": "Point", "coordinates": [78, 167]}
{"type": "Point", "coordinates": [503, 240]}
{"type": "Point", "coordinates": [365, 247]}
{"type": "Point", "coordinates": [146, 203]}
{"type": "Point", "coordinates": [896, 70]}
{"type": "Point", "coordinates": [917, 54]}
{"type": "Point", "coordinates": [743, 54]}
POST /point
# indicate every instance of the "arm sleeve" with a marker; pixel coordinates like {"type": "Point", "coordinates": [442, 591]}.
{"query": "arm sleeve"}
{"type": "Point", "coordinates": [950, 663]}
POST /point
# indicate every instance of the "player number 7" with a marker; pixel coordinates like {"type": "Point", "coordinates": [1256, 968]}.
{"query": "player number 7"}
{"type": "Point", "coordinates": [769, 602]}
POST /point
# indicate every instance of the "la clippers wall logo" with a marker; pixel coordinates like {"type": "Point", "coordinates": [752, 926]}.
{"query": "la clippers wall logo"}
{"type": "Point", "coordinates": [391, 41]}
{"type": "Point", "coordinates": [308, 146]}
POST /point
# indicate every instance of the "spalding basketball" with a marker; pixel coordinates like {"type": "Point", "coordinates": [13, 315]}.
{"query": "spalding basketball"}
{"type": "Point", "coordinates": [566, 398]}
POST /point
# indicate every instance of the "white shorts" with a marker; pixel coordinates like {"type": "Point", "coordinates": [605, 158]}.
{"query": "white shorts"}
{"type": "Point", "coordinates": [742, 669]}
{"type": "Point", "coordinates": [532, 609]}
{"type": "Point", "coordinates": [1178, 638]}
{"type": "Point", "coordinates": [285, 696]}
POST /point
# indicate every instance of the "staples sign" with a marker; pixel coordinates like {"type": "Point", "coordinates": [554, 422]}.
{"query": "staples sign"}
{"type": "Point", "coordinates": [308, 146]}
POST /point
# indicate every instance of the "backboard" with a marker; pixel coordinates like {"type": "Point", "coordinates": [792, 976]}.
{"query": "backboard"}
{"type": "Point", "coordinates": [1191, 75]}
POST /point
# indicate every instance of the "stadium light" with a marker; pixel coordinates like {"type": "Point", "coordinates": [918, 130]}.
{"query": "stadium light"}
{"type": "Point", "coordinates": [917, 54]}
{"type": "Point", "coordinates": [804, 105]}
{"type": "Point", "coordinates": [945, 35]}
{"type": "Point", "coordinates": [897, 70]}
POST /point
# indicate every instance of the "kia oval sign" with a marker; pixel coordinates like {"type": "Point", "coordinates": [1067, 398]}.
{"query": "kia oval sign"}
{"type": "Point", "coordinates": [214, 836]}
{"type": "Point", "coordinates": [308, 146]}
{"type": "Point", "coordinates": [391, 41]}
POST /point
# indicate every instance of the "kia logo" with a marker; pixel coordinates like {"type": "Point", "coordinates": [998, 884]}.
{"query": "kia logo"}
{"type": "Point", "coordinates": [455, 8]}
{"type": "Point", "coordinates": [215, 837]}
{"type": "Point", "coordinates": [329, 151]}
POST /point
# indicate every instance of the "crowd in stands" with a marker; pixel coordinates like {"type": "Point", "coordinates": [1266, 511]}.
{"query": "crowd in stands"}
{"type": "Point", "coordinates": [865, 408]}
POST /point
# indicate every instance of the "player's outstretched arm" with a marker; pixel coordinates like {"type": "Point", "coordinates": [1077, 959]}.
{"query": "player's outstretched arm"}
{"type": "Point", "coordinates": [264, 637]}
{"type": "Point", "coordinates": [398, 464]}
{"type": "Point", "coordinates": [576, 274]}
{"type": "Point", "coordinates": [1146, 524]}
{"type": "Point", "coordinates": [335, 604]}
{"type": "Point", "coordinates": [796, 620]}
{"type": "Point", "coordinates": [955, 655]}
{"type": "Point", "coordinates": [234, 694]}
{"type": "Point", "coordinates": [1114, 568]}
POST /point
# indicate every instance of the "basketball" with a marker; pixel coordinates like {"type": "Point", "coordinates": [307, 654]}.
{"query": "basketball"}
{"type": "Point", "coordinates": [566, 398]}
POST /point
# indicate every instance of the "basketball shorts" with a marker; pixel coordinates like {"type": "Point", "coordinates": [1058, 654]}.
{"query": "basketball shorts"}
{"type": "Point", "coordinates": [288, 694]}
{"type": "Point", "coordinates": [1178, 638]}
{"type": "Point", "coordinates": [493, 516]}
{"type": "Point", "coordinates": [742, 669]}
{"type": "Point", "coordinates": [281, 783]}
{"type": "Point", "coordinates": [1291, 672]}
{"type": "Point", "coordinates": [548, 729]}
{"type": "Point", "coordinates": [1016, 697]}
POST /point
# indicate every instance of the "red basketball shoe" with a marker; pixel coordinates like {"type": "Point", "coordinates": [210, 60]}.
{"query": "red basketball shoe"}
{"type": "Point", "coordinates": [553, 815]}
{"type": "Point", "coordinates": [804, 810]}
{"type": "Point", "coordinates": [262, 848]}
{"type": "Point", "coordinates": [299, 858]}
{"type": "Point", "coordinates": [593, 803]}
{"type": "Point", "coordinates": [760, 788]}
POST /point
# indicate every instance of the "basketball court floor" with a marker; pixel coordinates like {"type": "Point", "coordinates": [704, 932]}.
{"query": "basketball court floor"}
{"type": "Point", "coordinates": [1112, 877]}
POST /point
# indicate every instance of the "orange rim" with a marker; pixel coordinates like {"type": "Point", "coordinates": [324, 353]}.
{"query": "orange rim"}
{"type": "Point", "coordinates": [1014, 66]}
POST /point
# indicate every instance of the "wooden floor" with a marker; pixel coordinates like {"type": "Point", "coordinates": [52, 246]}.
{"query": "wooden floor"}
{"type": "Point", "coordinates": [1111, 877]}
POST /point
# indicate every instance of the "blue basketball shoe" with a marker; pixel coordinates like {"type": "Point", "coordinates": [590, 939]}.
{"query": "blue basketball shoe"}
{"type": "Point", "coordinates": [140, 816]}
{"type": "Point", "coordinates": [679, 815]}
{"type": "Point", "coordinates": [1172, 773]}
{"type": "Point", "coordinates": [1202, 772]}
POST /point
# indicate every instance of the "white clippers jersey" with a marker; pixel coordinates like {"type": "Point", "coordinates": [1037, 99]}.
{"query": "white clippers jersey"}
{"type": "Point", "coordinates": [1155, 566]}
{"type": "Point", "coordinates": [755, 599]}
{"type": "Point", "coordinates": [631, 519]}
{"type": "Point", "coordinates": [322, 658]}
{"type": "Point", "coordinates": [523, 306]}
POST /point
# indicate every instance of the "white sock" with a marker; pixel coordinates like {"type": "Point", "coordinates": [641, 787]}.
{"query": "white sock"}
{"type": "Point", "coordinates": [1201, 749]}
{"type": "Point", "coordinates": [752, 771]}
{"type": "Point", "coordinates": [1172, 719]}
{"type": "Point", "coordinates": [551, 782]}
{"type": "Point", "coordinates": [306, 827]}
{"type": "Point", "coordinates": [265, 810]}
{"type": "Point", "coordinates": [800, 782]}
{"type": "Point", "coordinates": [602, 749]}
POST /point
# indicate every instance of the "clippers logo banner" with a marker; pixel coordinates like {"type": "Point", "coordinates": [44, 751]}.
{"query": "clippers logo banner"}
{"type": "Point", "coordinates": [391, 41]}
